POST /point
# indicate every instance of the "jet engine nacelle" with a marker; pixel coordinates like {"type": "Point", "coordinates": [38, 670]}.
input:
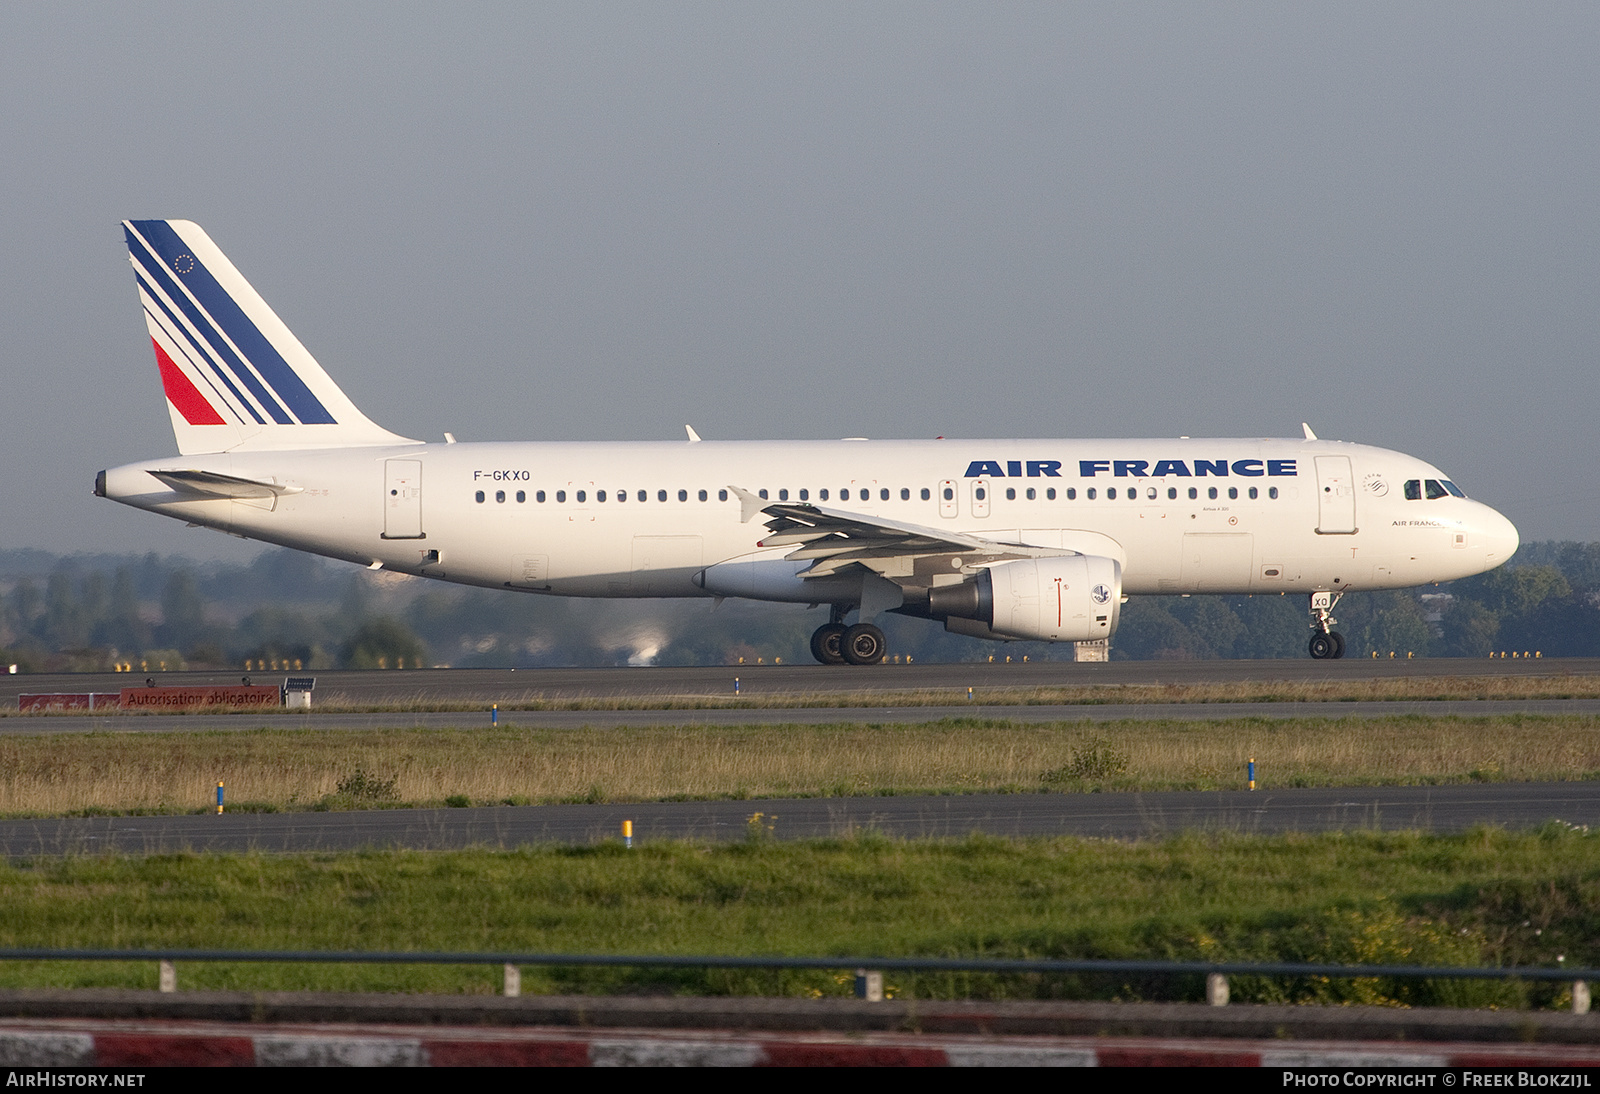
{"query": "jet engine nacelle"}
{"type": "Point", "coordinates": [1072, 599]}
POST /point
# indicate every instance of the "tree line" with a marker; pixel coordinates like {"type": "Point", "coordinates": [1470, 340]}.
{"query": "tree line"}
{"type": "Point", "coordinates": [88, 612]}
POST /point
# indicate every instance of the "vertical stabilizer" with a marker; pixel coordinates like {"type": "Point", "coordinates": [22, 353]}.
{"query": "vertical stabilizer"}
{"type": "Point", "coordinates": [236, 379]}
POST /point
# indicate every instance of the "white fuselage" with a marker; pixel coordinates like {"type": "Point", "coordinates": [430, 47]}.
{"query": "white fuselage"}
{"type": "Point", "coordinates": [1287, 515]}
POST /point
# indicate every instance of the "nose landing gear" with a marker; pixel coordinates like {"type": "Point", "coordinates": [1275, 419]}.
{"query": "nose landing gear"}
{"type": "Point", "coordinates": [1327, 646]}
{"type": "Point", "coordinates": [1326, 643]}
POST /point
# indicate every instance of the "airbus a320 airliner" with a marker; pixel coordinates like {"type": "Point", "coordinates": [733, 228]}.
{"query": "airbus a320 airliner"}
{"type": "Point", "coordinates": [999, 539]}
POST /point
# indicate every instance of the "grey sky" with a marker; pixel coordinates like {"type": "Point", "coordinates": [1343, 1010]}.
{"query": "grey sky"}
{"type": "Point", "coordinates": [603, 221]}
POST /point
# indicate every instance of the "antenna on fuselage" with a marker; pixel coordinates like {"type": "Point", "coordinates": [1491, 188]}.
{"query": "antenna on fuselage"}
{"type": "Point", "coordinates": [1310, 436]}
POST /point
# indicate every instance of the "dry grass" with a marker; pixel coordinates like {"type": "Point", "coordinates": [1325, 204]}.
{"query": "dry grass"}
{"type": "Point", "coordinates": [288, 769]}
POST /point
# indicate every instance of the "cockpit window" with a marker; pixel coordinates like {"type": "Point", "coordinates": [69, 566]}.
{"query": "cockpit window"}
{"type": "Point", "coordinates": [1413, 489]}
{"type": "Point", "coordinates": [1455, 491]}
{"type": "Point", "coordinates": [1434, 489]}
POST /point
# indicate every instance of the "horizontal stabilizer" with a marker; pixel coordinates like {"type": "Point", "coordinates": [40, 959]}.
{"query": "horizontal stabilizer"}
{"type": "Point", "coordinates": [212, 485]}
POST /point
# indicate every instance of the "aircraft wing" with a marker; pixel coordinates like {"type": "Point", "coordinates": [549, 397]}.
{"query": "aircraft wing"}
{"type": "Point", "coordinates": [836, 539]}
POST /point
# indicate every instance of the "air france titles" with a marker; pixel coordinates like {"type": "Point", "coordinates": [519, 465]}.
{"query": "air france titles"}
{"type": "Point", "coordinates": [1135, 469]}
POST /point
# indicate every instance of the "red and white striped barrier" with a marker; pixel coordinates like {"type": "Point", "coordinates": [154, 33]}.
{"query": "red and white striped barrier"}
{"type": "Point", "coordinates": [77, 1043]}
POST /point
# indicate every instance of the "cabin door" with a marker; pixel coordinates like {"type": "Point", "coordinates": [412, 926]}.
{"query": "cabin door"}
{"type": "Point", "coordinates": [1336, 496]}
{"type": "Point", "coordinates": [402, 499]}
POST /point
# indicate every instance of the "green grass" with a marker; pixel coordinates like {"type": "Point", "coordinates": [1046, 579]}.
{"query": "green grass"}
{"type": "Point", "coordinates": [1488, 897]}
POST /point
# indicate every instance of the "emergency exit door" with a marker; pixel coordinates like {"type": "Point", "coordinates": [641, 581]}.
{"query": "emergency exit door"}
{"type": "Point", "coordinates": [402, 499]}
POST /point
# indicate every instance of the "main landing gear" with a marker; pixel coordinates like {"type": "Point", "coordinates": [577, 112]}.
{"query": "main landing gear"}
{"type": "Point", "coordinates": [1326, 643]}
{"type": "Point", "coordinates": [833, 643]}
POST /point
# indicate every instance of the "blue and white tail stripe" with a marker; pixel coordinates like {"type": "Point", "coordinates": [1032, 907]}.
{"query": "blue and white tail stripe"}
{"type": "Point", "coordinates": [235, 377]}
{"type": "Point", "coordinates": [192, 352]}
{"type": "Point", "coordinates": [229, 341]}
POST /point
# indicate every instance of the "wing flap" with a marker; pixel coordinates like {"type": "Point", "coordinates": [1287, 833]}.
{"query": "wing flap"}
{"type": "Point", "coordinates": [837, 539]}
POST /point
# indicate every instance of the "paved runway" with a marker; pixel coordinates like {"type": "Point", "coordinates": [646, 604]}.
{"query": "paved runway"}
{"type": "Point", "coordinates": [786, 683]}
{"type": "Point", "coordinates": [1121, 816]}
{"type": "Point", "coordinates": [510, 685]}
{"type": "Point", "coordinates": [611, 719]}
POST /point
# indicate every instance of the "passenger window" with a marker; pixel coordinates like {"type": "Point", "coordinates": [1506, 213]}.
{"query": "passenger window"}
{"type": "Point", "coordinates": [805, 495]}
{"type": "Point", "coordinates": [480, 495]}
{"type": "Point", "coordinates": [1455, 491]}
{"type": "Point", "coordinates": [644, 495]}
{"type": "Point", "coordinates": [661, 495]}
{"type": "Point", "coordinates": [1050, 494]}
{"type": "Point", "coordinates": [1233, 492]}
{"type": "Point", "coordinates": [783, 495]}
{"type": "Point", "coordinates": [905, 494]}
{"type": "Point", "coordinates": [1111, 493]}
{"type": "Point", "coordinates": [683, 495]}
{"type": "Point", "coordinates": [1193, 493]}
{"type": "Point", "coordinates": [1072, 493]}
{"type": "Point", "coordinates": [722, 495]}
{"type": "Point", "coordinates": [762, 494]}
{"type": "Point", "coordinates": [822, 494]}
{"type": "Point", "coordinates": [1272, 492]}
{"type": "Point", "coordinates": [582, 496]}
{"type": "Point", "coordinates": [1413, 489]}
{"type": "Point", "coordinates": [883, 494]}
{"type": "Point", "coordinates": [1211, 493]}
{"type": "Point", "coordinates": [500, 496]}
{"type": "Point", "coordinates": [980, 493]}
{"type": "Point", "coordinates": [561, 495]}
{"type": "Point", "coordinates": [1032, 493]}
{"type": "Point", "coordinates": [622, 495]}
{"type": "Point", "coordinates": [949, 494]}
{"type": "Point", "coordinates": [702, 495]}
{"type": "Point", "coordinates": [1252, 493]}
{"type": "Point", "coordinates": [1435, 491]}
{"type": "Point", "coordinates": [1150, 492]}
{"type": "Point", "coordinates": [1172, 493]}
{"type": "Point", "coordinates": [522, 496]}
{"type": "Point", "coordinates": [1133, 493]}
{"type": "Point", "coordinates": [1089, 493]}
{"type": "Point", "coordinates": [844, 495]}
{"type": "Point", "coordinates": [926, 493]}
{"type": "Point", "coordinates": [539, 497]}
{"type": "Point", "coordinates": [1011, 493]}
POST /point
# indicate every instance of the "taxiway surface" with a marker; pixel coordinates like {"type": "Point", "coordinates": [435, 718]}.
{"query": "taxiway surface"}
{"type": "Point", "coordinates": [1116, 815]}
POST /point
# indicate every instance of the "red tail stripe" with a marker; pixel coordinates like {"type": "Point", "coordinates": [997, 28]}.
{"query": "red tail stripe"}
{"type": "Point", "coordinates": [182, 393]}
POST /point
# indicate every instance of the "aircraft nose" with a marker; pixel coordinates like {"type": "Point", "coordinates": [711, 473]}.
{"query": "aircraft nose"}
{"type": "Point", "coordinates": [1500, 538]}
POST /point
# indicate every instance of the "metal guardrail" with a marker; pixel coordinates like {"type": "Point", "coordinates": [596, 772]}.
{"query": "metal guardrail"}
{"type": "Point", "coordinates": [897, 964]}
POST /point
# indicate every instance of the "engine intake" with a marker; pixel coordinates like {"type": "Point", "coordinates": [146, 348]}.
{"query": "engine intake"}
{"type": "Point", "coordinates": [1071, 599]}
